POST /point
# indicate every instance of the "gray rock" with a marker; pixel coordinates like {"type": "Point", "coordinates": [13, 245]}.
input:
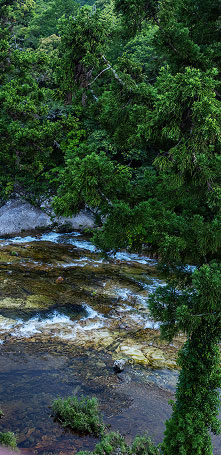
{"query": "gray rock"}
{"type": "Point", "coordinates": [119, 365]}
{"type": "Point", "coordinates": [18, 215]}
{"type": "Point", "coordinates": [82, 220]}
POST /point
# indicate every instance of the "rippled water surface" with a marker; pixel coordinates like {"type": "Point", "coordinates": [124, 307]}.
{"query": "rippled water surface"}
{"type": "Point", "coordinates": [66, 314]}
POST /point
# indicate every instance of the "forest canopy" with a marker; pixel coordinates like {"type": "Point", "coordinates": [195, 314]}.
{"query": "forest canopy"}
{"type": "Point", "coordinates": [115, 106]}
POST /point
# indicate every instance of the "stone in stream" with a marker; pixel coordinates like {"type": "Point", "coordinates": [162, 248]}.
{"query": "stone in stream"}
{"type": "Point", "coordinates": [60, 279]}
{"type": "Point", "coordinates": [119, 365]}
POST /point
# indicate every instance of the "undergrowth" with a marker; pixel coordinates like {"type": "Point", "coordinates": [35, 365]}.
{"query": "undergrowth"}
{"type": "Point", "coordinates": [114, 444]}
{"type": "Point", "coordinates": [81, 414]}
{"type": "Point", "coordinates": [8, 439]}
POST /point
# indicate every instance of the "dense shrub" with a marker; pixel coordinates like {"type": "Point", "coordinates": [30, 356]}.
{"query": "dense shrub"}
{"type": "Point", "coordinates": [79, 414]}
{"type": "Point", "coordinates": [8, 440]}
{"type": "Point", "coordinates": [114, 444]}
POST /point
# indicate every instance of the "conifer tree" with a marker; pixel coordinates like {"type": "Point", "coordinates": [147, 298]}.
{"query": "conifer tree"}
{"type": "Point", "coordinates": [185, 122]}
{"type": "Point", "coordinates": [195, 312]}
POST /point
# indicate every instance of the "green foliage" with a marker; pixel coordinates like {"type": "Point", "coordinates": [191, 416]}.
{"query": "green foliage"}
{"type": "Point", "coordinates": [196, 312]}
{"type": "Point", "coordinates": [81, 414]}
{"type": "Point", "coordinates": [89, 179]}
{"type": "Point", "coordinates": [135, 12]}
{"type": "Point", "coordinates": [27, 136]}
{"type": "Point", "coordinates": [6, 21]}
{"type": "Point", "coordinates": [83, 40]}
{"type": "Point", "coordinates": [46, 23]}
{"type": "Point", "coordinates": [30, 128]}
{"type": "Point", "coordinates": [113, 443]}
{"type": "Point", "coordinates": [8, 439]}
{"type": "Point", "coordinates": [189, 33]}
{"type": "Point", "coordinates": [178, 116]}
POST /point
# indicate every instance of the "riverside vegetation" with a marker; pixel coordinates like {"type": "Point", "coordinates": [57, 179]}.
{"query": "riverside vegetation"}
{"type": "Point", "coordinates": [115, 105]}
{"type": "Point", "coordinates": [8, 439]}
{"type": "Point", "coordinates": [82, 415]}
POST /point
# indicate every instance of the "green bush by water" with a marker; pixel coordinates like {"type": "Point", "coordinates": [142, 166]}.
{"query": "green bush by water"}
{"type": "Point", "coordinates": [8, 440]}
{"type": "Point", "coordinates": [79, 414]}
{"type": "Point", "coordinates": [114, 444]}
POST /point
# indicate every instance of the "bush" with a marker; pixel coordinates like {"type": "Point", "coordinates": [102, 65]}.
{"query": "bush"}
{"type": "Point", "coordinates": [8, 440]}
{"type": "Point", "coordinates": [114, 444]}
{"type": "Point", "coordinates": [79, 414]}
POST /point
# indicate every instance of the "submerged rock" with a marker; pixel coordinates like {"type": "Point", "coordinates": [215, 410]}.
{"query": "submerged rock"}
{"type": "Point", "coordinates": [10, 302]}
{"type": "Point", "coordinates": [60, 279]}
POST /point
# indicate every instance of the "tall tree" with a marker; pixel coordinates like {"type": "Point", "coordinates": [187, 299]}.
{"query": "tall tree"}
{"type": "Point", "coordinates": [184, 121]}
{"type": "Point", "coordinates": [195, 312]}
{"type": "Point", "coordinates": [83, 40]}
{"type": "Point", "coordinates": [29, 133]}
{"type": "Point", "coordinates": [173, 202]}
{"type": "Point", "coordinates": [6, 21]}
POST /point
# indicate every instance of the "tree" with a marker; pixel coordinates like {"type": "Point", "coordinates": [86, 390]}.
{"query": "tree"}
{"type": "Point", "coordinates": [46, 21]}
{"type": "Point", "coordinates": [196, 312]}
{"type": "Point", "coordinates": [83, 40]}
{"type": "Point", "coordinates": [6, 21]}
{"type": "Point", "coordinates": [30, 133]}
{"type": "Point", "coordinates": [26, 134]}
{"type": "Point", "coordinates": [135, 12]}
{"type": "Point", "coordinates": [172, 198]}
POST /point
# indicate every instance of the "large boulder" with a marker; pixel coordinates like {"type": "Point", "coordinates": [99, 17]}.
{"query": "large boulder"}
{"type": "Point", "coordinates": [17, 216]}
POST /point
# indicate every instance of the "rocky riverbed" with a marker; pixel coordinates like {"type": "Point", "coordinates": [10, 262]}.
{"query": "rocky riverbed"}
{"type": "Point", "coordinates": [66, 314]}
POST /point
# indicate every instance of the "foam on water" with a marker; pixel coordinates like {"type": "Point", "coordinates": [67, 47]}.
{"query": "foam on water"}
{"type": "Point", "coordinates": [15, 240]}
{"type": "Point", "coordinates": [131, 304]}
{"type": "Point", "coordinates": [124, 309]}
{"type": "Point", "coordinates": [84, 245]}
{"type": "Point", "coordinates": [154, 284]}
{"type": "Point", "coordinates": [133, 257]}
{"type": "Point", "coordinates": [149, 324]}
{"type": "Point", "coordinates": [91, 313]}
{"type": "Point", "coordinates": [58, 237]}
{"type": "Point", "coordinates": [7, 324]}
{"type": "Point", "coordinates": [82, 262]}
{"type": "Point", "coordinates": [55, 324]}
{"type": "Point", "coordinates": [127, 294]}
{"type": "Point", "coordinates": [70, 238]}
{"type": "Point", "coordinates": [144, 321]}
{"type": "Point", "coordinates": [190, 268]}
{"type": "Point", "coordinates": [52, 236]}
{"type": "Point", "coordinates": [38, 324]}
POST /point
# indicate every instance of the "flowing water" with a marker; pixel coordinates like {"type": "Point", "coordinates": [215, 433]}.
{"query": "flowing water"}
{"type": "Point", "coordinates": [66, 314]}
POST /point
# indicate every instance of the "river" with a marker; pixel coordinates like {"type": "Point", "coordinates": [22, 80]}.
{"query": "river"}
{"type": "Point", "coordinates": [66, 314]}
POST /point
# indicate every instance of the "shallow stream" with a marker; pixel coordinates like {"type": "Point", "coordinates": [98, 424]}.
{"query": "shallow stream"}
{"type": "Point", "coordinates": [66, 314]}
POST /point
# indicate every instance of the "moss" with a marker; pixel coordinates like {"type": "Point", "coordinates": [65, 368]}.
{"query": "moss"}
{"type": "Point", "coordinates": [81, 414]}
